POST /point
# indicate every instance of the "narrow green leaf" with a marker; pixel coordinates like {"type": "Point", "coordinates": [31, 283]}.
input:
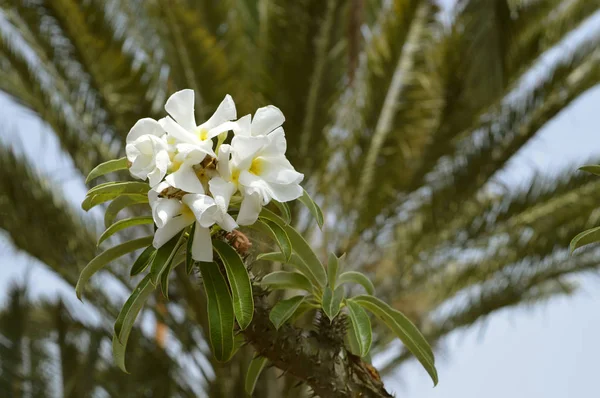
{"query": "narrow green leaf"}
{"type": "Point", "coordinates": [220, 311]}
{"type": "Point", "coordinates": [585, 238]}
{"type": "Point", "coordinates": [122, 224]}
{"type": "Point", "coordinates": [295, 261]}
{"type": "Point", "coordinates": [269, 215]}
{"type": "Point", "coordinates": [285, 211]}
{"type": "Point", "coordinates": [351, 340]}
{"type": "Point", "coordinates": [107, 167]}
{"type": "Point", "coordinates": [359, 279]}
{"type": "Point", "coordinates": [594, 169]}
{"type": "Point", "coordinates": [361, 327]}
{"type": "Point", "coordinates": [314, 209]}
{"type": "Point", "coordinates": [277, 233]}
{"type": "Point", "coordinates": [254, 370]}
{"type": "Point", "coordinates": [174, 262]}
{"type": "Point", "coordinates": [239, 281]}
{"type": "Point", "coordinates": [143, 261]}
{"type": "Point", "coordinates": [126, 319]}
{"type": "Point", "coordinates": [164, 256]}
{"type": "Point", "coordinates": [286, 280]}
{"type": "Point", "coordinates": [284, 309]}
{"type": "Point", "coordinates": [332, 270]}
{"type": "Point", "coordinates": [332, 300]}
{"type": "Point", "coordinates": [303, 249]}
{"type": "Point", "coordinates": [189, 261]}
{"type": "Point", "coordinates": [404, 329]}
{"type": "Point", "coordinates": [121, 202]}
{"type": "Point", "coordinates": [109, 192]}
{"type": "Point", "coordinates": [107, 256]}
{"type": "Point", "coordinates": [131, 308]}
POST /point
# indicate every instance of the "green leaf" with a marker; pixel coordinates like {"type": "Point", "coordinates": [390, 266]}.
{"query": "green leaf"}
{"type": "Point", "coordinates": [122, 224]}
{"type": "Point", "coordinates": [254, 370]}
{"type": "Point", "coordinates": [361, 327]}
{"type": "Point", "coordinates": [284, 309]}
{"type": "Point", "coordinates": [107, 256]}
{"type": "Point", "coordinates": [332, 300]}
{"type": "Point", "coordinates": [189, 261]}
{"type": "Point", "coordinates": [131, 308]}
{"type": "Point", "coordinates": [239, 281]}
{"type": "Point", "coordinates": [286, 280]}
{"type": "Point", "coordinates": [164, 256]}
{"type": "Point", "coordinates": [143, 261]}
{"type": "Point", "coordinates": [359, 279]}
{"type": "Point", "coordinates": [172, 263]}
{"type": "Point", "coordinates": [220, 311]}
{"type": "Point", "coordinates": [269, 215]}
{"type": "Point", "coordinates": [594, 169]}
{"type": "Point", "coordinates": [121, 202]}
{"type": "Point", "coordinates": [404, 329]}
{"type": "Point", "coordinates": [278, 234]}
{"type": "Point", "coordinates": [285, 211]}
{"type": "Point", "coordinates": [585, 238]}
{"type": "Point", "coordinates": [296, 262]}
{"type": "Point", "coordinates": [314, 209]}
{"type": "Point", "coordinates": [107, 167]}
{"type": "Point", "coordinates": [303, 249]}
{"type": "Point", "coordinates": [332, 270]}
{"type": "Point", "coordinates": [126, 319]}
{"type": "Point", "coordinates": [108, 192]}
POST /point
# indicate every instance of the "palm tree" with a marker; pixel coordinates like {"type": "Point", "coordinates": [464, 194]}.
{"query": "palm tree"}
{"type": "Point", "coordinates": [399, 116]}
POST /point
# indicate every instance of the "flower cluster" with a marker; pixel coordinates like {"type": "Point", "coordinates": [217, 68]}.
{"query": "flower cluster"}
{"type": "Point", "coordinates": [194, 175]}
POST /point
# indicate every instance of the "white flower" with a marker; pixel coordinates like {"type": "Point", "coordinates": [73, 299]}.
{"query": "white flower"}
{"type": "Point", "coordinates": [257, 165]}
{"type": "Point", "coordinates": [192, 142]}
{"type": "Point", "coordinates": [172, 215]}
{"type": "Point", "coordinates": [147, 150]}
{"type": "Point", "coordinates": [266, 120]}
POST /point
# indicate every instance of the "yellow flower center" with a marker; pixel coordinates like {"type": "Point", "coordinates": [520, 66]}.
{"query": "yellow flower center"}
{"type": "Point", "coordinates": [202, 134]}
{"type": "Point", "coordinates": [171, 141]}
{"type": "Point", "coordinates": [187, 212]}
{"type": "Point", "coordinates": [235, 176]}
{"type": "Point", "coordinates": [175, 164]}
{"type": "Point", "coordinates": [256, 166]}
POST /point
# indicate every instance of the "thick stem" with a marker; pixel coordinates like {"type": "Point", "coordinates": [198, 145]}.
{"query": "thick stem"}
{"type": "Point", "coordinates": [329, 370]}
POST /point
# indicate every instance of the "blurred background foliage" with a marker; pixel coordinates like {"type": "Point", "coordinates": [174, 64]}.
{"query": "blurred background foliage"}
{"type": "Point", "coordinates": [399, 115]}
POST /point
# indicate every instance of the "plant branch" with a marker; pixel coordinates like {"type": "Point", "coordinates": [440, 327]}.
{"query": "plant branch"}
{"type": "Point", "coordinates": [329, 370]}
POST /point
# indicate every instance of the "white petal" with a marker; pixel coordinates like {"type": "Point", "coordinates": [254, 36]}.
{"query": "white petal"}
{"type": "Point", "coordinates": [269, 190]}
{"type": "Point", "coordinates": [224, 113]}
{"type": "Point", "coordinates": [178, 132]}
{"type": "Point", "coordinates": [181, 107]}
{"type": "Point", "coordinates": [185, 179]}
{"type": "Point", "coordinates": [203, 207]}
{"type": "Point", "coordinates": [223, 161]}
{"type": "Point", "coordinates": [154, 192]}
{"type": "Point", "coordinates": [194, 153]}
{"type": "Point", "coordinates": [285, 192]}
{"type": "Point", "coordinates": [244, 149]}
{"type": "Point", "coordinates": [227, 223]}
{"type": "Point", "coordinates": [143, 127]}
{"type": "Point", "coordinates": [161, 165]}
{"type": "Point", "coordinates": [166, 233]}
{"type": "Point", "coordinates": [267, 119]}
{"type": "Point", "coordinates": [250, 209]}
{"type": "Point", "coordinates": [164, 210]}
{"type": "Point", "coordinates": [221, 191]}
{"type": "Point", "coordinates": [277, 143]}
{"type": "Point", "coordinates": [279, 170]}
{"type": "Point", "coordinates": [202, 245]}
{"type": "Point", "coordinates": [240, 127]}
